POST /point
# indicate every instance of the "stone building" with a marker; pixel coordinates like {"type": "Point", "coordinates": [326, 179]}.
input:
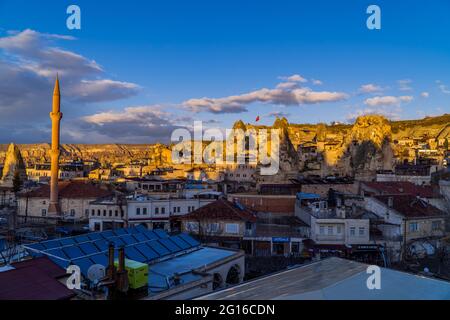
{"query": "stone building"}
{"type": "Point", "coordinates": [74, 199]}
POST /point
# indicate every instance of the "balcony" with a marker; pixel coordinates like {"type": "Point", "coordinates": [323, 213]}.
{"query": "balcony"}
{"type": "Point", "coordinates": [325, 237]}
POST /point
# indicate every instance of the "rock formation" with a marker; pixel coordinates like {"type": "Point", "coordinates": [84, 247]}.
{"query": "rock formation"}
{"type": "Point", "coordinates": [13, 166]}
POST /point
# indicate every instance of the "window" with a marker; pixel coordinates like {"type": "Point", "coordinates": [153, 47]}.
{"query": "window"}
{"type": "Point", "coordinates": [192, 226]}
{"type": "Point", "coordinates": [104, 213]}
{"type": "Point", "coordinates": [110, 213]}
{"type": "Point", "coordinates": [436, 225]}
{"type": "Point", "coordinates": [44, 212]}
{"type": "Point", "coordinates": [232, 228]}
{"type": "Point", "coordinates": [413, 227]}
{"type": "Point", "coordinates": [330, 230]}
{"type": "Point", "coordinates": [163, 210]}
{"type": "Point", "coordinates": [93, 212]}
{"type": "Point", "coordinates": [322, 230]}
{"type": "Point", "coordinates": [144, 211]}
{"type": "Point", "coordinates": [116, 213]}
{"type": "Point", "coordinates": [156, 210]}
{"type": "Point", "coordinates": [352, 231]}
{"type": "Point", "coordinates": [72, 212]}
{"type": "Point", "coordinates": [138, 211]}
{"type": "Point", "coordinates": [213, 227]}
{"type": "Point", "coordinates": [98, 212]}
{"type": "Point", "coordinates": [361, 231]}
{"type": "Point", "coordinates": [339, 229]}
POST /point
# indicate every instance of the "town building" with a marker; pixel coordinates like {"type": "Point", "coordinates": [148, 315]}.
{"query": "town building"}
{"type": "Point", "coordinates": [222, 223]}
{"type": "Point", "coordinates": [74, 199]}
{"type": "Point", "coordinates": [275, 204]}
{"type": "Point", "coordinates": [153, 211]}
{"type": "Point", "coordinates": [67, 171]}
{"type": "Point", "coordinates": [333, 223]}
{"type": "Point", "coordinates": [404, 220]}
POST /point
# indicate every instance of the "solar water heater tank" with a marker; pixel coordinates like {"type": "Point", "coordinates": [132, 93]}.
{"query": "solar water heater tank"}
{"type": "Point", "coordinates": [137, 273]}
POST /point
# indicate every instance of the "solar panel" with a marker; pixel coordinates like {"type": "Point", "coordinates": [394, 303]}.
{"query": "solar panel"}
{"type": "Point", "coordinates": [169, 244]}
{"type": "Point", "coordinates": [135, 255]}
{"type": "Point", "coordinates": [36, 246]}
{"type": "Point", "coordinates": [141, 228]}
{"type": "Point", "coordinates": [151, 235]}
{"type": "Point", "coordinates": [94, 236]}
{"type": "Point", "coordinates": [82, 238]}
{"type": "Point", "coordinates": [62, 263]}
{"type": "Point", "coordinates": [128, 239]}
{"type": "Point", "coordinates": [133, 230]}
{"type": "Point", "coordinates": [158, 247]}
{"type": "Point", "coordinates": [51, 244]}
{"type": "Point", "coordinates": [100, 258]}
{"type": "Point", "coordinates": [149, 253]}
{"type": "Point", "coordinates": [161, 233]}
{"type": "Point", "coordinates": [88, 248]}
{"type": "Point", "coordinates": [73, 252]}
{"type": "Point", "coordinates": [67, 241]}
{"type": "Point", "coordinates": [84, 264]}
{"type": "Point", "coordinates": [107, 234]}
{"type": "Point", "coordinates": [117, 242]}
{"type": "Point", "coordinates": [57, 252]}
{"type": "Point", "coordinates": [102, 244]}
{"type": "Point", "coordinates": [120, 232]}
{"type": "Point", "coordinates": [180, 242]}
{"type": "Point", "coordinates": [189, 239]}
{"type": "Point", "coordinates": [140, 237]}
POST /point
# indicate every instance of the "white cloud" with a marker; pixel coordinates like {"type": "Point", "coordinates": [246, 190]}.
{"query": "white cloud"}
{"type": "Point", "coordinates": [286, 93]}
{"type": "Point", "coordinates": [102, 90]}
{"type": "Point", "coordinates": [370, 88]}
{"type": "Point", "coordinates": [277, 114]}
{"type": "Point", "coordinates": [317, 82]}
{"type": "Point", "coordinates": [29, 61]}
{"type": "Point", "coordinates": [295, 78]}
{"type": "Point", "coordinates": [387, 101]}
{"type": "Point", "coordinates": [139, 123]}
{"type": "Point", "coordinates": [392, 113]}
{"type": "Point", "coordinates": [425, 94]}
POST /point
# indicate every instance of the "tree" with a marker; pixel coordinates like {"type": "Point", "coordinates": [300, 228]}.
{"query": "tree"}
{"type": "Point", "coordinates": [17, 182]}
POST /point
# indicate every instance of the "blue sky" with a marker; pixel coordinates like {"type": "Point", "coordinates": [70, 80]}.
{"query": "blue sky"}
{"type": "Point", "coordinates": [145, 66]}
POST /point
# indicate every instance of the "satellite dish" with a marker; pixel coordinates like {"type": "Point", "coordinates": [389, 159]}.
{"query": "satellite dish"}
{"type": "Point", "coordinates": [96, 272]}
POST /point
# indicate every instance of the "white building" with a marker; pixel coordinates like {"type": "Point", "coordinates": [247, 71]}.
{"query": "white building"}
{"type": "Point", "coordinates": [152, 211]}
{"type": "Point", "coordinates": [331, 226]}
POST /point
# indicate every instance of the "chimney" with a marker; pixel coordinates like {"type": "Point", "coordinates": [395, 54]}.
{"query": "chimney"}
{"type": "Point", "coordinates": [55, 116]}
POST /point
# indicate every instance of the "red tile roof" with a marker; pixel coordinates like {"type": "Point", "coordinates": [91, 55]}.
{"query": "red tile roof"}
{"type": "Point", "coordinates": [410, 206]}
{"type": "Point", "coordinates": [401, 188]}
{"type": "Point", "coordinates": [71, 189]}
{"type": "Point", "coordinates": [221, 210]}
{"type": "Point", "coordinates": [35, 279]}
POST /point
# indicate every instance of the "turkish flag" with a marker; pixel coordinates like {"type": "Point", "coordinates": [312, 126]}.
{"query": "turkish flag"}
{"type": "Point", "coordinates": [257, 118]}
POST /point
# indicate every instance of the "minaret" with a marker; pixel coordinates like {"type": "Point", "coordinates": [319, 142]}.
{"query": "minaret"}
{"type": "Point", "coordinates": [55, 116]}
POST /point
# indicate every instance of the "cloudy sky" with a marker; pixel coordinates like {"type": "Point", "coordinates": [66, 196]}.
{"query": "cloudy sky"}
{"type": "Point", "coordinates": [136, 71]}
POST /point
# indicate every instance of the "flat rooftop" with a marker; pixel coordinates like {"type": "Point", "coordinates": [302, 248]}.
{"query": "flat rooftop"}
{"type": "Point", "coordinates": [184, 265]}
{"type": "Point", "coordinates": [335, 279]}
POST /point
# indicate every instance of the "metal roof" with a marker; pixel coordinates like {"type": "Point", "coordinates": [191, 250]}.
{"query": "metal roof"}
{"type": "Point", "coordinates": [336, 279]}
{"type": "Point", "coordinates": [142, 245]}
